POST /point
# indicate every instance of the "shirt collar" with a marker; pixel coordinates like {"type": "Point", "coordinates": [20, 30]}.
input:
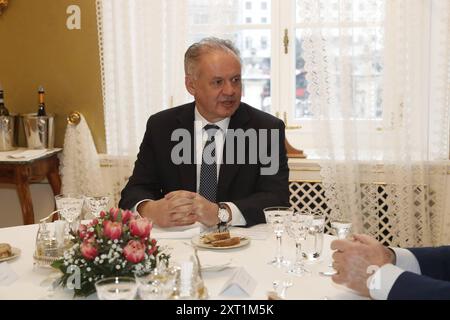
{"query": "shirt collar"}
{"type": "Point", "coordinates": [222, 124]}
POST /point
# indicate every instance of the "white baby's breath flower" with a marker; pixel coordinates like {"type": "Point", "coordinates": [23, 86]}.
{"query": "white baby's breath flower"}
{"type": "Point", "coordinates": [88, 269]}
{"type": "Point", "coordinates": [114, 246]}
{"type": "Point", "coordinates": [91, 229]}
{"type": "Point", "coordinates": [101, 261]}
{"type": "Point", "coordinates": [96, 259]}
{"type": "Point", "coordinates": [66, 263]}
{"type": "Point", "coordinates": [118, 267]}
{"type": "Point", "coordinates": [90, 279]}
{"type": "Point", "coordinates": [116, 241]}
{"type": "Point", "coordinates": [109, 242]}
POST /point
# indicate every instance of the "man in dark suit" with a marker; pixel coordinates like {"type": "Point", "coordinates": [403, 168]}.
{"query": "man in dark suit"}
{"type": "Point", "coordinates": [215, 160]}
{"type": "Point", "coordinates": [368, 267]}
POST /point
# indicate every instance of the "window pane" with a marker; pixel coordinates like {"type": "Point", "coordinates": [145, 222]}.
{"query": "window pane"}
{"type": "Point", "coordinates": [256, 69]}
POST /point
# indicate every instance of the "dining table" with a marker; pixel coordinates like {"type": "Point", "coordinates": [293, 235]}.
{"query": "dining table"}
{"type": "Point", "coordinates": [31, 281]}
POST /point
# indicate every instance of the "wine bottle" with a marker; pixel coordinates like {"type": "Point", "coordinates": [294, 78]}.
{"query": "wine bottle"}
{"type": "Point", "coordinates": [41, 110]}
{"type": "Point", "coordinates": [3, 110]}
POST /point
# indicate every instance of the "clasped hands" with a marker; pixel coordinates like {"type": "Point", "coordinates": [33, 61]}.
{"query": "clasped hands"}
{"type": "Point", "coordinates": [356, 259]}
{"type": "Point", "coordinates": [180, 208]}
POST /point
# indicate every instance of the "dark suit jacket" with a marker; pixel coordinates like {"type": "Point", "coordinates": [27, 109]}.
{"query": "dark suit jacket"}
{"type": "Point", "coordinates": [155, 174]}
{"type": "Point", "coordinates": [434, 283]}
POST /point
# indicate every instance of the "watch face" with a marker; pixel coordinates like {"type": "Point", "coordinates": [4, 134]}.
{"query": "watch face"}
{"type": "Point", "coordinates": [223, 215]}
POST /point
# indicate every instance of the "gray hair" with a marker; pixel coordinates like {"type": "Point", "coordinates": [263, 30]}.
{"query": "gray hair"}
{"type": "Point", "coordinates": [193, 53]}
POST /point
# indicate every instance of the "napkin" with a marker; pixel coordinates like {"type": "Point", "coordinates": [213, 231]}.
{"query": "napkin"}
{"type": "Point", "coordinates": [176, 233]}
{"type": "Point", "coordinates": [214, 261]}
{"type": "Point", "coordinates": [28, 154]}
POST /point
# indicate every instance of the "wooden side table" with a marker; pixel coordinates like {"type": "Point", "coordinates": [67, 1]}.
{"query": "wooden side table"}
{"type": "Point", "coordinates": [22, 172]}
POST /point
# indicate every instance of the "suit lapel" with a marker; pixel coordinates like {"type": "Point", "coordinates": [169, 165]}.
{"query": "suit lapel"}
{"type": "Point", "coordinates": [188, 172]}
{"type": "Point", "coordinates": [228, 171]}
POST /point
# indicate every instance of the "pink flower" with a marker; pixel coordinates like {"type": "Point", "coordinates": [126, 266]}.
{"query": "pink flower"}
{"type": "Point", "coordinates": [94, 222]}
{"type": "Point", "coordinates": [83, 232]}
{"type": "Point", "coordinates": [112, 230]}
{"type": "Point", "coordinates": [134, 251]}
{"type": "Point", "coordinates": [140, 228]}
{"type": "Point", "coordinates": [102, 214]}
{"type": "Point", "coordinates": [88, 249]}
{"type": "Point", "coordinates": [126, 215]}
{"type": "Point", "coordinates": [114, 212]}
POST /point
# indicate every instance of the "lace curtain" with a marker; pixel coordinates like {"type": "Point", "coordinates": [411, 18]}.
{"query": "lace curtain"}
{"type": "Point", "coordinates": [407, 149]}
{"type": "Point", "coordinates": [142, 45]}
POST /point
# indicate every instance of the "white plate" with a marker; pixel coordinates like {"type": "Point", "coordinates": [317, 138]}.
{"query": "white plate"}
{"type": "Point", "coordinates": [196, 241]}
{"type": "Point", "coordinates": [15, 253]}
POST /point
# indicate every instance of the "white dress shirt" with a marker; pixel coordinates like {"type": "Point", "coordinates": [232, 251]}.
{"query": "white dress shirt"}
{"type": "Point", "coordinates": [201, 135]}
{"type": "Point", "coordinates": [384, 278]}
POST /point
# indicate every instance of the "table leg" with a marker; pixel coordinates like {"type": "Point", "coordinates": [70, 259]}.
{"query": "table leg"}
{"type": "Point", "coordinates": [53, 176]}
{"type": "Point", "coordinates": [23, 191]}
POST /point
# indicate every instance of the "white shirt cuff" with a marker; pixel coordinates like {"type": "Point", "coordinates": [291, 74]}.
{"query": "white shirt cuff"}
{"type": "Point", "coordinates": [237, 219]}
{"type": "Point", "coordinates": [381, 282]}
{"type": "Point", "coordinates": [137, 204]}
{"type": "Point", "coordinates": [406, 260]}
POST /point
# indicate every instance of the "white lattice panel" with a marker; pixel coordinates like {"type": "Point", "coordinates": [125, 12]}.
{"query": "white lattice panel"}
{"type": "Point", "coordinates": [377, 220]}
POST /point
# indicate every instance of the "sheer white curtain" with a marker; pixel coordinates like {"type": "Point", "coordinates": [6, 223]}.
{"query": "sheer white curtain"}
{"type": "Point", "coordinates": [399, 157]}
{"type": "Point", "coordinates": [142, 45]}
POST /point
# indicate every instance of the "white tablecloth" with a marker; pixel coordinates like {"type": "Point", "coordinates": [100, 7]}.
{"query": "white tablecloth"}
{"type": "Point", "coordinates": [36, 283]}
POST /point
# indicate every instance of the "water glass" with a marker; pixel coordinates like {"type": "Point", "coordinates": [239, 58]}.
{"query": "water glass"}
{"type": "Point", "coordinates": [96, 204]}
{"type": "Point", "coordinates": [70, 206]}
{"type": "Point", "coordinates": [313, 244]}
{"type": "Point", "coordinates": [297, 226]}
{"type": "Point", "coordinates": [275, 217]}
{"type": "Point", "coordinates": [116, 288]}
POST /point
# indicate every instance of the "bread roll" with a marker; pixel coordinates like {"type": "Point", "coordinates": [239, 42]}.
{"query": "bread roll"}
{"type": "Point", "coordinates": [5, 250]}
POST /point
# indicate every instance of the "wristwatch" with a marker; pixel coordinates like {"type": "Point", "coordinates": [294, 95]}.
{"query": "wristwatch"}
{"type": "Point", "coordinates": [223, 214]}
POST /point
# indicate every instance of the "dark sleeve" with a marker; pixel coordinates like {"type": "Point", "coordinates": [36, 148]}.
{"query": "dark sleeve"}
{"type": "Point", "coordinates": [271, 190]}
{"type": "Point", "coordinates": [434, 262]}
{"type": "Point", "coordinates": [144, 183]}
{"type": "Point", "coordinates": [412, 286]}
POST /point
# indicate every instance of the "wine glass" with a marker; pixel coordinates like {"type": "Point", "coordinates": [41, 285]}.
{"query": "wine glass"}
{"type": "Point", "coordinates": [70, 206]}
{"type": "Point", "coordinates": [275, 217]}
{"type": "Point", "coordinates": [297, 226]}
{"type": "Point", "coordinates": [96, 204]}
{"type": "Point", "coordinates": [116, 288]}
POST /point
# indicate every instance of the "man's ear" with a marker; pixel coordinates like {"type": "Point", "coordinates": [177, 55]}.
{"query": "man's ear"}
{"type": "Point", "coordinates": [190, 84]}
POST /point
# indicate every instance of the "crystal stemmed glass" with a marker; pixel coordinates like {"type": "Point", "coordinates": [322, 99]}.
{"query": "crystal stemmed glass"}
{"type": "Point", "coordinates": [275, 217]}
{"type": "Point", "coordinates": [342, 229]}
{"type": "Point", "coordinates": [70, 206]}
{"type": "Point", "coordinates": [297, 226]}
{"type": "Point", "coordinates": [96, 204]}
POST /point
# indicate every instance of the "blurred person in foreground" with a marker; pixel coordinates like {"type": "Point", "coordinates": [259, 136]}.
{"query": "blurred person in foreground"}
{"type": "Point", "coordinates": [373, 270]}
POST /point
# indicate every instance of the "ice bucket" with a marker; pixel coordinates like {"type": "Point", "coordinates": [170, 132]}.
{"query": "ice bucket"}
{"type": "Point", "coordinates": [39, 130]}
{"type": "Point", "coordinates": [8, 132]}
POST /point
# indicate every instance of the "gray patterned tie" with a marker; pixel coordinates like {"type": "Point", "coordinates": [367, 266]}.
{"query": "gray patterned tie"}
{"type": "Point", "coordinates": [208, 171]}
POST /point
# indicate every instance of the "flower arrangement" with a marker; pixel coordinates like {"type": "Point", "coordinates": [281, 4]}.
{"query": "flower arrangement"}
{"type": "Point", "coordinates": [118, 243]}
